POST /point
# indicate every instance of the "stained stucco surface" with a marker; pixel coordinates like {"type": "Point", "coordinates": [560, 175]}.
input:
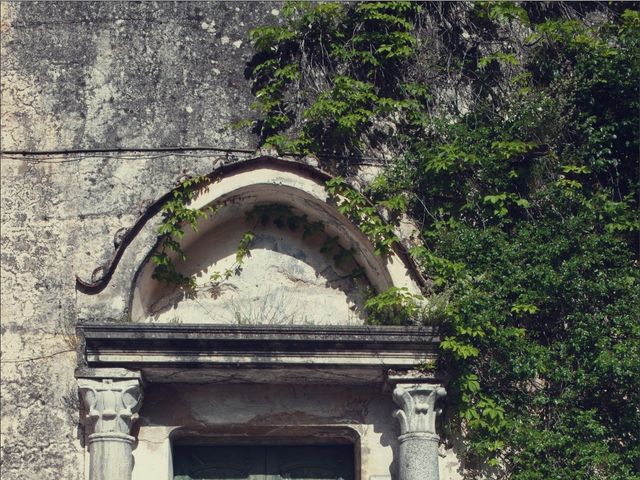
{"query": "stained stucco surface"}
{"type": "Point", "coordinates": [126, 74]}
{"type": "Point", "coordinates": [273, 412]}
{"type": "Point", "coordinates": [97, 75]}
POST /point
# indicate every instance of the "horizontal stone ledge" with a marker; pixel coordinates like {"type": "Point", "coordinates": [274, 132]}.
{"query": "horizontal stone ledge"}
{"type": "Point", "coordinates": [186, 352]}
{"type": "Point", "coordinates": [323, 333]}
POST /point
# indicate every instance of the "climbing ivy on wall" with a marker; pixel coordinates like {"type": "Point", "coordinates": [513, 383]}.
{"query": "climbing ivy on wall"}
{"type": "Point", "coordinates": [509, 133]}
{"type": "Point", "coordinates": [285, 217]}
{"type": "Point", "coordinates": [355, 206]}
{"type": "Point", "coordinates": [176, 215]}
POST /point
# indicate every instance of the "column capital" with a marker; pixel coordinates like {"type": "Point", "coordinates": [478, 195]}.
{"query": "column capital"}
{"type": "Point", "coordinates": [112, 403]}
{"type": "Point", "coordinates": [417, 413]}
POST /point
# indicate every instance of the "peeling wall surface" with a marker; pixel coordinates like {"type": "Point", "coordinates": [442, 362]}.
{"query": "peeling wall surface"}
{"type": "Point", "coordinates": [126, 78]}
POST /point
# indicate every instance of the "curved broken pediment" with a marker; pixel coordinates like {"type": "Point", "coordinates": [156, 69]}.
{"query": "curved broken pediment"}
{"type": "Point", "coordinates": [290, 275]}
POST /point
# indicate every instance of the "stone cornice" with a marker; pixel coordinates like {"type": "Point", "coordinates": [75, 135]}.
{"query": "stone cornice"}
{"type": "Point", "coordinates": [163, 352]}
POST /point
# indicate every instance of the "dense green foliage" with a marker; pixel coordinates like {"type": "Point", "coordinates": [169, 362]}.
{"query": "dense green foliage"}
{"type": "Point", "coordinates": [509, 133]}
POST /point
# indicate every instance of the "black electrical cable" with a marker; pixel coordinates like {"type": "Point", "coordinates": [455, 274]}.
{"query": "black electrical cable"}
{"type": "Point", "coordinates": [24, 154]}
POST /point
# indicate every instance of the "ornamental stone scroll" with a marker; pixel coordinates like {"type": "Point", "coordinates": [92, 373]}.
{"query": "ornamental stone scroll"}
{"type": "Point", "coordinates": [112, 405]}
{"type": "Point", "coordinates": [418, 451]}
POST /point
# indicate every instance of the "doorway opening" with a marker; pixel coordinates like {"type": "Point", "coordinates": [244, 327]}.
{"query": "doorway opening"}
{"type": "Point", "coordinates": [264, 462]}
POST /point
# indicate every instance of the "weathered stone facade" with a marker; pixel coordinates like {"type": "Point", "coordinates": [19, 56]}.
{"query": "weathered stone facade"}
{"type": "Point", "coordinates": [125, 98]}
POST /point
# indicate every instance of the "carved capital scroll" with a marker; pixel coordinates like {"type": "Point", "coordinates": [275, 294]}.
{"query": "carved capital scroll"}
{"type": "Point", "coordinates": [417, 413]}
{"type": "Point", "coordinates": [112, 404]}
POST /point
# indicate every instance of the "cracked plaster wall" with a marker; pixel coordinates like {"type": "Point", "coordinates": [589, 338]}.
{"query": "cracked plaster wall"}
{"type": "Point", "coordinates": [96, 75]}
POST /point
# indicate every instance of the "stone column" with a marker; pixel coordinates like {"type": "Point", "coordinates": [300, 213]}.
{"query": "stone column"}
{"type": "Point", "coordinates": [112, 404]}
{"type": "Point", "coordinates": [418, 456]}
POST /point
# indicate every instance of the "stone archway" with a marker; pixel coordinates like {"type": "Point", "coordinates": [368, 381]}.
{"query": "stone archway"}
{"type": "Point", "coordinates": [205, 371]}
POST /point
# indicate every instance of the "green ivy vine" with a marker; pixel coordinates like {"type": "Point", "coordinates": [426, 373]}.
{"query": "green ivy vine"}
{"type": "Point", "coordinates": [510, 137]}
{"type": "Point", "coordinates": [176, 215]}
{"type": "Point", "coordinates": [242, 252]}
{"type": "Point", "coordinates": [355, 206]}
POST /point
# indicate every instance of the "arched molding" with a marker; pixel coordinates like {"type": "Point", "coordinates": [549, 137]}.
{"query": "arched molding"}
{"type": "Point", "coordinates": [238, 187]}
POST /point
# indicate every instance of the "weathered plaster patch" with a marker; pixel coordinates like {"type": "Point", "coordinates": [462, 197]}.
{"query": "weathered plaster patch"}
{"type": "Point", "coordinates": [100, 104]}
{"type": "Point", "coordinates": [307, 412]}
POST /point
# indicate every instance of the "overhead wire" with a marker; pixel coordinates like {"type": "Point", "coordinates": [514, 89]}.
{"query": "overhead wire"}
{"type": "Point", "coordinates": [61, 156]}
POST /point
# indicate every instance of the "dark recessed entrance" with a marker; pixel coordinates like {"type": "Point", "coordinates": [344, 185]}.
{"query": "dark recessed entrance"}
{"type": "Point", "coordinates": [252, 462]}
